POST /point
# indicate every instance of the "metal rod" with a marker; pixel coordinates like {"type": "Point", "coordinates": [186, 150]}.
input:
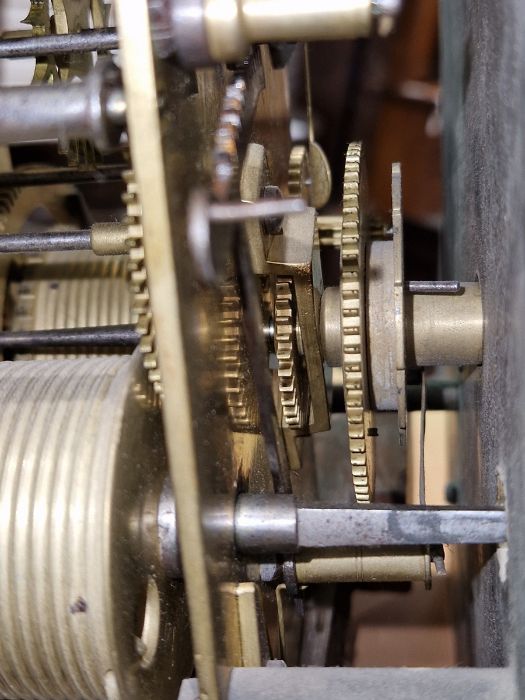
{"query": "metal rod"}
{"type": "Point", "coordinates": [375, 526]}
{"type": "Point", "coordinates": [435, 287]}
{"type": "Point", "coordinates": [102, 238]}
{"type": "Point", "coordinates": [49, 240]}
{"type": "Point", "coordinates": [277, 524]}
{"type": "Point", "coordinates": [280, 683]}
{"type": "Point", "coordinates": [101, 336]}
{"type": "Point", "coordinates": [55, 44]}
{"type": "Point", "coordinates": [227, 212]}
{"type": "Point", "coordinates": [58, 176]}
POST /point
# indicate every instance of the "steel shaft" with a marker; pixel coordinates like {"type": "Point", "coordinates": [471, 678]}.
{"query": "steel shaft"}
{"type": "Point", "coordinates": [102, 336]}
{"type": "Point", "coordinates": [277, 524]}
{"type": "Point", "coordinates": [56, 44]}
{"type": "Point", "coordinates": [103, 238]}
{"type": "Point", "coordinates": [42, 241]}
{"type": "Point", "coordinates": [59, 176]}
{"type": "Point", "coordinates": [434, 287]}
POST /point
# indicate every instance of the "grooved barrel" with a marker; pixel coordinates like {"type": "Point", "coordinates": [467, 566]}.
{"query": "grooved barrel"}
{"type": "Point", "coordinates": [74, 290]}
{"type": "Point", "coordinates": [81, 462]}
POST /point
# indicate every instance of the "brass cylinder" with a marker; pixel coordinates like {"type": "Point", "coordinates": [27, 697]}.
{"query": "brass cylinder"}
{"type": "Point", "coordinates": [109, 238]}
{"type": "Point", "coordinates": [232, 25]}
{"type": "Point", "coordinates": [83, 616]}
{"type": "Point", "coordinates": [361, 565]}
{"type": "Point", "coordinates": [445, 329]}
{"type": "Point", "coordinates": [331, 327]}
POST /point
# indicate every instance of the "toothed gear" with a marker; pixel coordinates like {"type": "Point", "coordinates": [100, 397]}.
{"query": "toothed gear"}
{"type": "Point", "coordinates": [65, 17]}
{"type": "Point", "coordinates": [353, 335]}
{"type": "Point", "coordinates": [225, 147]}
{"type": "Point", "coordinates": [139, 284]}
{"type": "Point", "coordinates": [293, 390]}
{"type": "Point", "coordinates": [299, 173]}
{"type": "Point", "coordinates": [240, 394]}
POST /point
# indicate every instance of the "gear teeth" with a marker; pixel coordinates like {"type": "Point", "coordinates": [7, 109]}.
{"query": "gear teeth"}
{"type": "Point", "coordinates": [147, 343]}
{"type": "Point", "coordinates": [38, 16]}
{"type": "Point", "coordinates": [352, 325]}
{"type": "Point", "coordinates": [240, 396]}
{"type": "Point", "coordinates": [294, 401]}
{"type": "Point", "coordinates": [7, 200]}
{"type": "Point", "coordinates": [138, 280]}
{"type": "Point", "coordinates": [225, 147]}
{"type": "Point", "coordinates": [299, 172]}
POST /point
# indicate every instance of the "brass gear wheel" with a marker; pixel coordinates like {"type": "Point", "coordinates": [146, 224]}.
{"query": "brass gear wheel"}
{"type": "Point", "coordinates": [240, 394]}
{"type": "Point", "coordinates": [139, 283]}
{"type": "Point", "coordinates": [65, 17]}
{"type": "Point", "coordinates": [353, 333]}
{"type": "Point", "coordinates": [225, 147]}
{"type": "Point", "coordinates": [299, 180]}
{"type": "Point", "coordinates": [292, 382]}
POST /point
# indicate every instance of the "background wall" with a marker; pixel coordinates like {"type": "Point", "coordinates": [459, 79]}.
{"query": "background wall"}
{"type": "Point", "coordinates": [483, 78]}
